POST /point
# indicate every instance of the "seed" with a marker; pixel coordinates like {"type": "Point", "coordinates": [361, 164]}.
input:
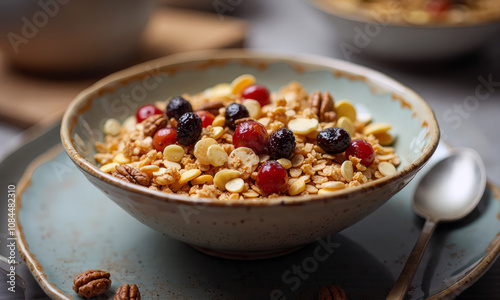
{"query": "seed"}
{"type": "Point", "coordinates": [201, 150]}
{"type": "Point", "coordinates": [173, 153]}
{"type": "Point", "coordinates": [235, 185]}
{"type": "Point", "coordinates": [223, 176]}
{"type": "Point", "coordinates": [112, 127]}
{"type": "Point", "coordinates": [217, 131]}
{"type": "Point", "coordinates": [386, 168]}
{"type": "Point", "coordinates": [347, 170]}
{"type": "Point", "coordinates": [376, 128]}
{"type": "Point", "coordinates": [189, 175]}
{"type": "Point", "coordinates": [384, 138]}
{"type": "Point", "coordinates": [121, 159]}
{"type": "Point", "coordinates": [241, 82]}
{"type": "Point", "coordinates": [346, 124]}
{"type": "Point", "coordinates": [108, 168]}
{"type": "Point", "coordinates": [253, 107]}
{"type": "Point", "coordinates": [297, 187]}
{"type": "Point", "coordinates": [333, 185]}
{"type": "Point", "coordinates": [150, 168]}
{"type": "Point", "coordinates": [219, 121]}
{"type": "Point", "coordinates": [172, 164]}
{"type": "Point", "coordinates": [344, 108]}
{"type": "Point", "coordinates": [285, 163]}
{"type": "Point", "coordinates": [216, 155]}
{"type": "Point", "coordinates": [303, 125]}
{"type": "Point", "coordinates": [203, 179]}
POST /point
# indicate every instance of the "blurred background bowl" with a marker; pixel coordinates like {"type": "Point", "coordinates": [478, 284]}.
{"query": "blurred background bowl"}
{"type": "Point", "coordinates": [385, 36]}
{"type": "Point", "coordinates": [63, 36]}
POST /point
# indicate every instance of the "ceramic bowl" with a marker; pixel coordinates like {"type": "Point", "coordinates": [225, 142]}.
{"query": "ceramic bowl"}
{"type": "Point", "coordinates": [62, 36]}
{"type": "Point", "coordinates": [249, 229]}
{"type": "Point", "coordinates": [380, 37]}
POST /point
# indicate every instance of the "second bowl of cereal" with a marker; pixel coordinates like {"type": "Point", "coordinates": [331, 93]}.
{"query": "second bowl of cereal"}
{"type": "Point", "coordinates": [247, 154]}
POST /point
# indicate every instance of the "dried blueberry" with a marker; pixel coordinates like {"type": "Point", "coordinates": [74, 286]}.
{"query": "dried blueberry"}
{"type": "Point", "coordinates": [235, 111]}
{"type": "Point", "coordinates": [281, 144]}
{"type": "Point", "coordinates": [188, 129]}
{"type": "Point", "coordinates": [334, 140]}
{"type": "Point", "coordinates": [177, 107]}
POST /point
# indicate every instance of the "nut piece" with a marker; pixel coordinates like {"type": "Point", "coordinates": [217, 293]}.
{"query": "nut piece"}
{"type": "Point", "coordinates": [219, 121]}
{"type": "Point", "coordinates": [346, 124]}
{"type": "Point", "coordinates": [173, 153]}
{"type": "Point", "coordinates": [297, 187]}
{"type": "Point", "coordinates": [91, 283]}
{"type": "Point", "coordinates": [216, 155]}
{"type": "Point", "coordinates": [132, 175]}
{"type": "Point", "coordinates": [201, 148]}
{"type": "Point", "coordinates": [212, 107]}
{"type": "Point", "coordinates": [385, 138]}
{"type": "Point", "coordinates": [112, 127]}
{"type": "Point", "coordinates": [332, 292]}
{"type": "Point", "coordinates": [153, 123]}
{"type": "Point", "coordinates": [109, 168]}
{"type": "Point", "coordinates": [129, 123]}
{"type": "Point", "coordinates": [303, 125]}
{"type": "Point", "coordinates": [322, 106]}
{"type": "Point", "coordinates": [253, 107]}
{"type": "Point", "coordinates": [121, 159]}
{"type": "Point", "coordinates": [376, 128]}
{"type": "Point", "coordinates": [217, 132]}
{"type": "Point", "coordinates": [189, 175]}
{"type": "Point", "coordinates": [126, 292]}
{"type": "Point", "coordinates": [386, 168]}
{"type": "Point", "coordinates": [347, 170]}
{"type": "Point", "coordinates": [244, 160]}
{"type": "Point", "coordinates": [241, 82]}
{"type": "Point", "coordinates": [223, 176]}
{"type": "Point", "coordinates": [344, 108]}
{"type": "Point", "coordinates": [285, 163]}
{"type": "Point", "coordinates": [235, 185]}
{"type": "Point", "coordinates": [203, 179]}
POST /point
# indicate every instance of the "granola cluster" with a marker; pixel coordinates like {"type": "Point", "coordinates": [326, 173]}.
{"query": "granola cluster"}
{"type": "Point", "coordinates": [213, 167]}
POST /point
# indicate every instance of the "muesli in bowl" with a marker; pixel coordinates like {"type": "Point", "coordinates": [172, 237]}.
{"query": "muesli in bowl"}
{"type": "Point", "coordinates": [239, 141]}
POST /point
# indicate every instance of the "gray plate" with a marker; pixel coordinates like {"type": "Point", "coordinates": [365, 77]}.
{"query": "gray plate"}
{"type": "Point", "coordinates": [66, 226]}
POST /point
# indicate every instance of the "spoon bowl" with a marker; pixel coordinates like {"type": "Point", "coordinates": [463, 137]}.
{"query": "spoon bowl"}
{"type": "Point", "coordinates": [453, 188]}
{"type": "Point", "coordinates": [448, 192]}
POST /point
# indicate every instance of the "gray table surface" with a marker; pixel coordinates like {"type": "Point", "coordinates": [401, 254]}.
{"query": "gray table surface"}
{"type": "Point", "coordinates": [294, 27]}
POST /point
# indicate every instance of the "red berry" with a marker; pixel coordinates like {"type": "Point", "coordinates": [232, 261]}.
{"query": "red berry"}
{"type": "Point", "coordinates": [438, 7]}
{"type": "Point", "coordinates": [252, 135]}
{"type": "Point", "coordinates": [362, 150]}
{"type": "Point", "coordinates": [164, 137]}
{"type": "Point", "coordinates": [206, 118]}
{"type": "Point", "coordinates": [256, 92]}
{"type": "Point", "coordinates": [272, 177]}
{"type": "Point", "coordinates": [145, 111]}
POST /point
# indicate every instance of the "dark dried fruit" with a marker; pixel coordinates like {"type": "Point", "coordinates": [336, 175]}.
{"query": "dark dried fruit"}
{"type": "Point", "coordinates": [235, 111]}
{"type": "Point", "coordinates": [177, 107]}
{"type": "Point", "coordinates": [334, 140]}
{"type": "Point", "coordinates": [188, 129]}
{"type": "Point", "coordinates": [281, 144]}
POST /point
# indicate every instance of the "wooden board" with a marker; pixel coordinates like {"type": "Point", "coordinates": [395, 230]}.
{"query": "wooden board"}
{"type": "Point", "coordinates": [27, 99]}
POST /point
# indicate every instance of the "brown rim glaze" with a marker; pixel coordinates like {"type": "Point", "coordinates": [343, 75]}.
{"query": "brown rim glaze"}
{"type": "Point", "coordinates": [205, 59]}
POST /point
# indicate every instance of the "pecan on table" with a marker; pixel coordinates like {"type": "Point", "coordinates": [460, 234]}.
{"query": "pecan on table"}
{"type": "Point", "coordinates": [154, 123]}
{"type": "Point", "coordinates": [91, 283]}
{"type": "Point", "coordinates": [332, 292]}
{"type": "Point", "coordinates": [321, 105]}
{"type": "Point", "coordinates": [126, 292]}
{"type": "Point", "coordinates": [212, 107]}
{"type": "Point", "coordinates": [131, 174]}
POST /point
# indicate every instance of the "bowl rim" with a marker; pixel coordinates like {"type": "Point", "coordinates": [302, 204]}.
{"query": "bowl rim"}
{"type": "Point", "coordinates": [322, 6]}
{"type": "Point", "coordinates": [84, 99]}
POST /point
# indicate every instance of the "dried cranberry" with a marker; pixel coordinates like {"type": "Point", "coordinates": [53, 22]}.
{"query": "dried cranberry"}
{"type": "Point", "coordinates": [145, 111]}
{"type": "Point", "coordinates": [256, 92]}
{"type": "Point", "coordinates": [362, 150]}
{"type": "Point", "coordinates": [252, 135]}
{"type": "Point", "coordinates": [206, 118]}
{"type": "Point", "coordinates": [272, 177]}
{"type": "Point", "coordinates": [164, 137]}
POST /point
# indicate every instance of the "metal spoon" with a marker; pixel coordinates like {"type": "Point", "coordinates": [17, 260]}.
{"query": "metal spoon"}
{"type": "Point", "coordinates": [448, 192]}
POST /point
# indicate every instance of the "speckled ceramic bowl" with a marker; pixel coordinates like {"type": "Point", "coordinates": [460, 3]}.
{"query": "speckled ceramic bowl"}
{"type": "Point", "coordinates": [381, 37]}
{"type": "Point", "coordinates": [249, 229]}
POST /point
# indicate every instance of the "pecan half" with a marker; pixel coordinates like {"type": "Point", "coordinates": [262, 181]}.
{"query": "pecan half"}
{"type": "Point", "coordinates": [130, 174]}
{"type": "Point", "coordinates": [322, 106]}
{"type": "Point", "coordinates": [243, 120]}
{"type": "Point", "coordinates": [91, 283]}
{"type": "Point", "coordinates": [332, 292]}
{"type": "Point", "coordinates": [212, 107]}
{"type": "Point", "coordinates": [153, 123]}
{"type": "Point", "coordinates": [126, 292]}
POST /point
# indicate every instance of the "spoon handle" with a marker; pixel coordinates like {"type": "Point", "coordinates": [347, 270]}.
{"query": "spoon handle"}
{"type": "Point", "coordinates": [401, 287]}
